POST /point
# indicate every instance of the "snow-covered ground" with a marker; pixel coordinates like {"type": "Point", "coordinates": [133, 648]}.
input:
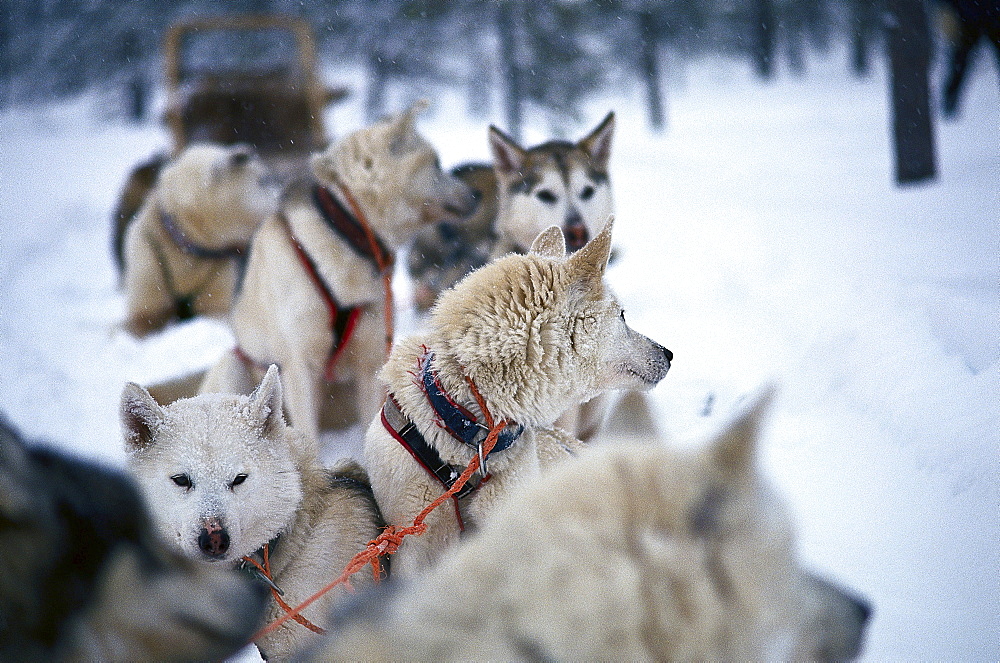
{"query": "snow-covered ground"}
{"type": "Point", "coordinates": [762, 238]}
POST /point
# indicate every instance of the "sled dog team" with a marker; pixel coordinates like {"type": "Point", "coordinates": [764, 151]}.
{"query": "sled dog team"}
{"type": "Point", "coordinates": [555, 547]}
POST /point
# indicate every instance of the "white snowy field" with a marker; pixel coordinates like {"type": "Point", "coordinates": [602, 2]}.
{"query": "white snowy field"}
{"type": "Point", "coordinates": [762, 238]}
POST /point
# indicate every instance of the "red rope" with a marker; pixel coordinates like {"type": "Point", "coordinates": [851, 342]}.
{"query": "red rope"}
{"type": "Point", "coordinates": [266, 570]}
{"type": "Point", "coordinates": [388, 542]}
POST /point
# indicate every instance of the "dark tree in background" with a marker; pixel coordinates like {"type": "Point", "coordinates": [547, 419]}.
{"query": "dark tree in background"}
{"type": "Point", "coordinates": [763, 27]}
{"type": "Point", "coordinates": [518, 62]}
{"type": "Point", "coordinates": [509, 16]}
{"type": "Point", "coordinates": [909, 37]}
{"type": "Point", "coordinates": [650, 67]}
{"type": "Point", "coordinates": [864, 28]}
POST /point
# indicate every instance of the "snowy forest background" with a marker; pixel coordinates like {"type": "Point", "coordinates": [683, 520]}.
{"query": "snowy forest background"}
{"type": "Point", "coordinates": [59, 48]}
{"type": "Point", "coordinates": [764, 235]}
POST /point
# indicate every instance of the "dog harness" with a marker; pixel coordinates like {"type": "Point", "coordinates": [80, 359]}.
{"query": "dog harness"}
{"type": "Point", "coordinates": [179, 237]}
{"type": "Point", "coordinates": [342, 319]}
{"type": "Point", "coordinates": [452, 417]}
{"type": "Point", "coordinates": [350, 229]}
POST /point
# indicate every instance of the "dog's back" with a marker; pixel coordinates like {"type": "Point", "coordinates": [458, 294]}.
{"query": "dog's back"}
{"type": "Point", "coordinates": [85, 577]}
{"type": "Point", "coordinates": [627, 552]}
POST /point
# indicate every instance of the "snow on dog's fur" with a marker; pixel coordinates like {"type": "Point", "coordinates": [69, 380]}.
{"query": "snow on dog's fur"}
{"type": "Point", "coordinates": [627, 552]}
{"type": "Point", "coordinates": [181, 250]}
{"type": "Point", "coordinates": [537, 334]}
{"type": "Point", "coordinates": [281, 315]}
{"type": "Point", "coordinates": [225, 475]}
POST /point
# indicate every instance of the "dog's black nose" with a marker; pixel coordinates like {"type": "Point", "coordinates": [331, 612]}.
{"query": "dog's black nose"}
{"type": "Point", "coordinates": [667, 353]}
{"type": "Point", "coordinates": [214, 539]}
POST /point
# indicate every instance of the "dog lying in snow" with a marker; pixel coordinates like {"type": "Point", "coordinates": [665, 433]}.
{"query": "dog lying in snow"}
{"type": "Point", "coordinates": [229, 480]}
{"type": "Point", "coordinates": [627, 552]}
{"type": "Point", "coordinates": [181, 252]}
{"type": "Point", "coordinates": [536, 334]}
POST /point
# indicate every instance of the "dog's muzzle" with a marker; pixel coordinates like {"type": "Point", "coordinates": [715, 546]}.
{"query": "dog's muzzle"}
{"type": "Point", "coordinates": [214, 538]}
{"type": "Point", "coordinates": [575, 233]}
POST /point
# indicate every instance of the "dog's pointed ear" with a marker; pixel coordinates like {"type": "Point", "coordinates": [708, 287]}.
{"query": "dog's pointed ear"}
{"type": "Point", "coordinates": [598, 143]}
{"type": "Point", "coordinates": [592, 260]}
{"type": "Point", "coordinates": [508, 156]}
{"type": "Point", "coordinates": [734, 450]}
{"type": "Point", "coordinates": [550, 243]}
{"type": "Point", "coordinates": [404, 125]}
{"type": "Point", "coordinates": [264, 407]}
{"type": "Point", "coordinates": [240, 155]}
{"type": "Point", "coordinates": [140, 416]}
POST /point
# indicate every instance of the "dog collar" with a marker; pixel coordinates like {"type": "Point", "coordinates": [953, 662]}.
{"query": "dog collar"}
{"type": "Point", "coordinates": [179, 238]}
{"type": "Point", "coordinates": [457, 420]}
{"type": "Point", "coordinates": [348, 227]}
{"type": "Point", "coordinates": [406, 433]}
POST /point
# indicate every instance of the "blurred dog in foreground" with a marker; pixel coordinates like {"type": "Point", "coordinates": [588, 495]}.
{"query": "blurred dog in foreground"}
{"type": "Point", "coordinates": [85, 577]}
{"type": "Point", "coordinates": [625, 552]}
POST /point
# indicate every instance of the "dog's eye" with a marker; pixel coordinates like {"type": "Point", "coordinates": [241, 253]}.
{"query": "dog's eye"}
{"type": "Point", "coordinates": [623, 315]}
{"type": "Point", "coordinates": [182, 480]}
{"type": "Point", "coordinates": [237, 480]}
{"type": "Point", "coordinates": [546, 196]}
{"type": "Point", "coordinates": [587, 193]}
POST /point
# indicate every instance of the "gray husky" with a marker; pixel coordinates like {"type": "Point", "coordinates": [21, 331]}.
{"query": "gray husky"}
{"type": "Point", "coordinates": [86, 578]}
{"type": "Point", "coordinates": [523, 192]}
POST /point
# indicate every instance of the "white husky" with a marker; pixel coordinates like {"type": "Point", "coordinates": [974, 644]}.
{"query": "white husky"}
{"type": "Point", "coordinates": [312, 297]}
{"type": "Point", "coordinates": [536, 334]}
{"type": "Point", "coordinates": [631, 552]}
{"type": "Point", "coordinates": [182, 249]}
{"type": "Point", "coordinates": [227, 480]}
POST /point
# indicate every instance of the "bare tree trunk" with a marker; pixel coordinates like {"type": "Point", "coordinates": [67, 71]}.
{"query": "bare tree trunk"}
{"type": "Point", "coordinates": [763, 29]}
{"type": "Point", "coordinates": [377, 81]}
{"type": "Point", "coordinates": [651, 69]}
{"type": "Point", "coordinates": [909, 58]}
{"type": "Point", "coordinates": [509, 14]}
{"type": "Point", "coordinates": [864, 15]}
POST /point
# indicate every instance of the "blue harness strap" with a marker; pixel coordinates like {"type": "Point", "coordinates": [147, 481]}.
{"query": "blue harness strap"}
{"type": "Point", "coordinates": [457, 420]}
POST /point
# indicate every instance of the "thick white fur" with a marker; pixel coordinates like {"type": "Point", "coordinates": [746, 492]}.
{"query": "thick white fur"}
{"type": "Point", "coordinates": [213, 438]}
{"type": "Point", "coordinates": [217, 195]}
{"type": "Point", "coordinates": [631, 552]}
{"type": "Point", "coordinates": [280, 316]}
{"type": "Point", "coordinates": [537, 333]}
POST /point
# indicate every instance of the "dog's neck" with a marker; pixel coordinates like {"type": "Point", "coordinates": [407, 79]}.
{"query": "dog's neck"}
{"type": "Point", "coordinates": [349, 227]}
{"type": "Point", "coordinates": [442, 406]}
{"type": "Point", "coordinates": [190, 245]}
{"type": "Point", "coordinates": [455, 418]}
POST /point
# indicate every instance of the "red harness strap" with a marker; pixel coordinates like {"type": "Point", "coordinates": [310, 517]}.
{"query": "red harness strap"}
{"type": "Point", "coordinates": [342, 320]}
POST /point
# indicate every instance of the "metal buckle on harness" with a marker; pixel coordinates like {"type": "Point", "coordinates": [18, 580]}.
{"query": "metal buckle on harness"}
{"type": "Point", "coordinates": [257, 573]}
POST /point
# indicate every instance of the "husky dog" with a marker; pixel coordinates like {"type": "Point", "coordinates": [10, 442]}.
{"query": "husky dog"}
{"type": "Point", "coordinates": [536, 334]}
{"type": "Point", "coordinates": [182, 249]}
{"type": "Point", "coordinates": [312, 297]}
{"type": "Point", "coordinates": [523, 192]}
{"type": "Point", "coordinates": [229, 480]}
{"type": "Point", "coordinates": [626, 552]}
{"type": "Point", "coordinates": [86, 578]}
